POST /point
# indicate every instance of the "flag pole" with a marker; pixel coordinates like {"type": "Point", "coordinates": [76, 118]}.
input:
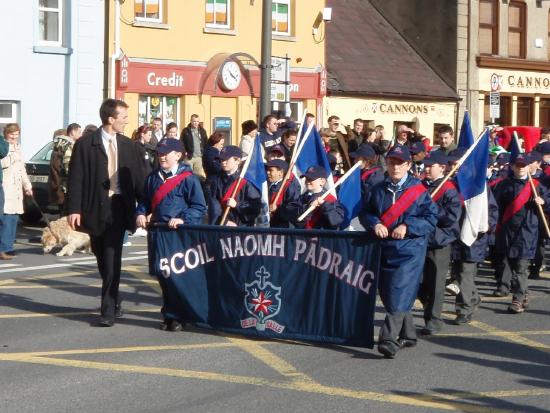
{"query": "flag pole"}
{"type": "Point", "coordinates": [338, 183]}
{"type": "Point", "coordinates": [300, 145]}
{"type": "Point", "coordinates": [457, 165]}
{"type": "Point", "coordinates": [241, 177]}
{"type": "Point", "coordinates": [535, 193]}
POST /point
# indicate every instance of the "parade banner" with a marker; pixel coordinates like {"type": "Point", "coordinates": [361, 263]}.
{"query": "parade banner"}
{"type": "Point", "coordinates": [273, 283]}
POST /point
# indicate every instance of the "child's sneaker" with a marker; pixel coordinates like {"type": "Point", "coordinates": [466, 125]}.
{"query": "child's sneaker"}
{"type": "Point", "coordinates": [516, 307]}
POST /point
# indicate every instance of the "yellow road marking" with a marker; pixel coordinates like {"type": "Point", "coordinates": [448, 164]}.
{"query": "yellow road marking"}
{"type": "Point", "coordinates": [511, 335]}
{"type": "Point", "coordinates": [296, 385]}
{"type": "Point", "coordinates": [73, 313]}
{"type": "Point", "coordinates": [69, 286]}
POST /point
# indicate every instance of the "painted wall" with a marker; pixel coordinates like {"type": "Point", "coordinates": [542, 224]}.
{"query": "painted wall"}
{"type": "Point", "coordinates": [54, 86]}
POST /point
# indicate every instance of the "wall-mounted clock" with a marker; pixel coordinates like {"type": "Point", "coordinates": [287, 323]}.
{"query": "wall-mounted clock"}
{"type": "Point", "coordinates": [230, 77]}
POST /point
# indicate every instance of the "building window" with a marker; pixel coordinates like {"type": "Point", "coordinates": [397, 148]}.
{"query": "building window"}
{"type": "Point", "coordinates": [50, 22]}
{"type": "Point", "coordinates": [516, 29]}
{"type": "Point", "coordinates": [218, 14]}
{"type": "Point", "coordinates": [153, 106]}
{"type": "Point", "coordinates": [544, 113]}
{"type": "Point", "coordinates": [525, 115]}
{"type": "Point", "coordinates": [148, 10]}
{"type": "Point", "coordinates": [488, 27]}
{"type": "Point", "coordinates": [8, 113]}
{"type": "Point", "coordinates": [280, 17]}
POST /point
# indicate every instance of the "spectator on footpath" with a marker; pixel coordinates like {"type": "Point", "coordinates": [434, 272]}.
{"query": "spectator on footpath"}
{"type": "Point", "coordinates": [310, 118]}
{"type": "Point", "coordinates": [57, 176]}
{"type": "Point", "coordinates": [4, 150]}
{"type": "Point", "coordinates": [142, 136]}
{"type": "Point", "coordinates": [105, 182]}
{"type": "Point", "coordinates": [446, 139]}
{"type": "Point", "coordinates": [325, 137]}
{"type": "Point", "coordinates": [171, 131]}
{"type": "Point", "coordinates": [269, 134]}
{"type": "Point", "coordinates": [245, 206]}
{"type": "Point", "coordinates": [338, 141]}
{"type": "Point", "coordinates": [194, 137]}
{"type": "Point", "coordinates": [15, 185]}
{"type": "Point", "coordinates": [90, 128]}
{"type": "Point", "coordinates": [354, 136]}
{"type": "Point", "coordinates": [157, 133]}
{"type": "Point", "coordinates": [400, 213]}
{"type": "Point", "coordinates": [381, 145]}
{"type": "Point", "coordinates": [74, 132]}
{"type": "Point", "coordinates": [288, 143]}
{"type": "Point", "coordinates": [403, 135]}
{"type": "Point", "coordinates": [172, 195]}
{"type": "Point", "coordinates": [211, 160]}
{"type": "Point", "coordinates": [250, 132]}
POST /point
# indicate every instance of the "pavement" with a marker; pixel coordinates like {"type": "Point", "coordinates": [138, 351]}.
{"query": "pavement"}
{"type": "Point", "coordinates": [54, 359]}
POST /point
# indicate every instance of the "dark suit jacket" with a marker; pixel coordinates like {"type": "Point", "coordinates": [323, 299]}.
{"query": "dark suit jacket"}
{"type": "Point", "coordinates": [187, 140]}
{"type": "Point", "coordinates": [88, 184]}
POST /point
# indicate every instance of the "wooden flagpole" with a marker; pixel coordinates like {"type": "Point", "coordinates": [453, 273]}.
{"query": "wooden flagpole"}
{"type": "Point", "coordinates": [535, 193]}
{"type": "Point", "coordinates": [338, 183]}
{"type": "Point", "coordinates": [457, 165]}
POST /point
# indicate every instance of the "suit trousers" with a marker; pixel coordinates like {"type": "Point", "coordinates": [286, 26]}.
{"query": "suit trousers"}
{"type": "Point", "coordinates": [520, 274]}
{"type": "Point", "coordinates": [432, 288]}
{"type": "Point", "coordinates": [468, 298]}
{"type": "Point", "coordinates": [107, 249]}
{"type": "Point", "coordinates": [397, 325]}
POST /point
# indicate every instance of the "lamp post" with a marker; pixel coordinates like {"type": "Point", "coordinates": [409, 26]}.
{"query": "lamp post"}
{"type": "Point", "coordinates": [265, 66]}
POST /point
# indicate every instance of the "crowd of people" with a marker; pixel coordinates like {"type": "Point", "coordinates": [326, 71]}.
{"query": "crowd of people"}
{"type": "Point", "coordinates": [107, 185]}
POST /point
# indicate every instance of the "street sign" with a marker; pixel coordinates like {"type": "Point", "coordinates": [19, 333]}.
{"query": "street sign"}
{"type": "Point", "coordinates": [494, 105]}
{"type": "Point", "coordinates": [495, 82]}
{"type": "Point", "coordinates": [280, 79]}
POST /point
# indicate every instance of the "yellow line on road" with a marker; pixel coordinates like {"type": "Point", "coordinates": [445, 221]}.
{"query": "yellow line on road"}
{"type": "Point", "coordinates": [511, 335]}
{"type": "Point", "coordinates": [19, 286]}
{"type": "Point", "coordinates": [308, 387]}
{"type": "Point", "coordinates": [73, 313]}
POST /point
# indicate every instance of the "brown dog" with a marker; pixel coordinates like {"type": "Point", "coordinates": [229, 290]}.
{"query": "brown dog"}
{"type": "Point", "coordinates": [60, 234]}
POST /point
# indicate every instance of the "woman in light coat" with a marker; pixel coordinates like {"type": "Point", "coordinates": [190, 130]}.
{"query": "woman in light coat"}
{"type": "Point", "coordinates": [16, 184]}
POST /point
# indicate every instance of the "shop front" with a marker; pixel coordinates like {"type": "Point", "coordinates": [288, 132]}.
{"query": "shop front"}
{"type": "Point", "coordinates": [222, 96]}
{"type": "Point", "coordinates": [524, 97]}
{"type": "Point", "coordinates": [424, 117]}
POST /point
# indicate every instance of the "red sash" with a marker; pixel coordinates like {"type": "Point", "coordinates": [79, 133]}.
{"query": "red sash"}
{"type": "Point", "coordinates": [494, 182]}
{"type": "Point", "coordinates": [285, 187]}
{"type": "Point", "coordinates": [402, 204]}
{"type": "Point", "coordinates": [519, 201]}
{"type": "Point", "coordinates": [230, 191]}
{"type": "Point", "coordinates": [446, 186]}
{"type": "Point", "coordinates": [369, 172]}
{"type": "Point", "coordinates": [166, 187]}
{"type": "Point", "coordinates": [547, 170]}
{"type": "Point", "coordinates": [312, 222]}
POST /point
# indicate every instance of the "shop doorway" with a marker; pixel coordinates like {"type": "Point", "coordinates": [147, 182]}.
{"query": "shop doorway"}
{"type": "Point", "coordinates": [544, 113]}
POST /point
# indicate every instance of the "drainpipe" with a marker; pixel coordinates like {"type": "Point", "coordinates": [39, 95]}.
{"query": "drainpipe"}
{"type": "Point", "coordinates": [116, 49]}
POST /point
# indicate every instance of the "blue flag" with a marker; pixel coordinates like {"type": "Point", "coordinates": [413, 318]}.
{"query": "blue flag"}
{"type": "Point", "coordinates": [466, 137]}
{"type": "Point", "coordinates": [255, 174]}
{"type": "Point", "coordinates": [313, 154]}
{"type": "Point", "coordinates": [515, 150]}
{"type": "Point", "coordinates": [349, 196]}
{"type": "Point", "coordinates": [472, 182]}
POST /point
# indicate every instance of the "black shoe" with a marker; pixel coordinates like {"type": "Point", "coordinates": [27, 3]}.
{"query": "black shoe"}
{"type": "Point", "coordinates": [106, 322]}
{"type": "Point", "coordinates": [533, 276]}
{"type": "Point", "coordinates": [165, 325]}
{"type": "Point", "coordinates": [176, 326]}
{"type": "Point", "coordinates": [12, 253]}
{"type": "Point", "coordinates": [387, 350]}
{"type": "Point", "coordinates": [500, 293]}
{"type": "Point", "coordinates": [462, 319]}
{"type": "Point", "coordinates": [118, 311]}
{"type": "Point", "coordinates": [430, 331]}
{"type": "Point", "coordinates": [406, 342]}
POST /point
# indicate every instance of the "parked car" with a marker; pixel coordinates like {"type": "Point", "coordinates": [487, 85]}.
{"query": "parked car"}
{"type": "Point", "coordinates": [38, 169]}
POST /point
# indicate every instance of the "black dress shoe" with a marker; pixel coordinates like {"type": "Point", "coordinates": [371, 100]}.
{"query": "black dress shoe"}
{"type": "Point", "coordinates": [176, 326]}
{"type": "Point", "coordinates": [165, 325]}
{"type": "Point", "coordinates": [430, 331]}
{"type": "Point", "coordinates": [387, 349]}
{"type": "Point", "coordinates": [106, 322]}
{"type": "Point", "coordinates": [406, 342]}
{"type": "Point", "coordinates": [12, 253]}
{"type": "Point", "coordinates": [462, 319]}
{"type": "Point", "coordinates": [500, 293]}
{"type": "Point", "coordinates": [118, 311]}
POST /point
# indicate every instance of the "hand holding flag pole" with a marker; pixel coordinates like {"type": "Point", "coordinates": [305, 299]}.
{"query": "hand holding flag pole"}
{"type": "Point", "coordinates": [338, 183]}
{"type": "Point", "coordinates": [535, 193]}
{"type": "Point", "coordinates": [458, 164]}
{"type": "Point", "coordinates": [234, 193]}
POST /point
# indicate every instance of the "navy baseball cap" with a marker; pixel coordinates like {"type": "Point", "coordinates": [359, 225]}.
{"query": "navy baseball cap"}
{"type": "Point", "coordinates": [230, 151]}
{"type": "Point", "coordinates": [434, 157]}
{"type": "Point", "coordinates": [364, 151]}
{"type": "Point", "coordinates": [399, 152]}
{"type": "Point", "coordinates": [276, 148]}
{"type": "Point", "coordinates": [277, 163]}
{"type": "Point", "coordinates": [521, 159]}
{"type": "Point", "coordinates": [503, 158]}
{"type": "Point", "coordinates": [167, 145]}
{"type": "Point", "coordinates": [417, 147]}
{"type": "Point", "coordinates": [315, 172]}
{"type": "Point", "coordinates": [535, 156]}
{"type": "Point", "coordinates": [544, 148]}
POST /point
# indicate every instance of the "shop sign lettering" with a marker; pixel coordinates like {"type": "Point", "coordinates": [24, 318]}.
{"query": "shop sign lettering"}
{"type": "Point", "coordinates": [174, 80]}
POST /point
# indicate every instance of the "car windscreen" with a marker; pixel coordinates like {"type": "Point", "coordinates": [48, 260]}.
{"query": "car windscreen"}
{"type": "Point", "coordinates": [44, 154]}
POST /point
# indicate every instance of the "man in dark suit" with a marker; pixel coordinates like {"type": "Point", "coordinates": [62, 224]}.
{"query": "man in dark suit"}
{"type": "Point", "coordinates": [194, 140]}
{"type": "Point", "coordinates": [105, 180]}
